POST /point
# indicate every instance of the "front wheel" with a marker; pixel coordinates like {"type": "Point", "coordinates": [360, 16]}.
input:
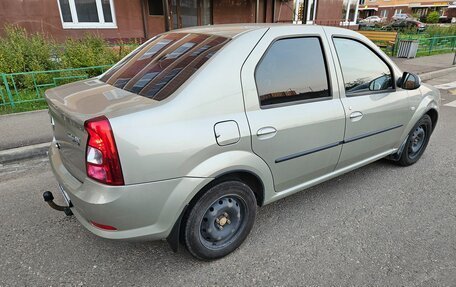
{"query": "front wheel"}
{"type": "Point", "coordinates": [220, 220]}
{"type": "Point", "coordinates": [417, 142]}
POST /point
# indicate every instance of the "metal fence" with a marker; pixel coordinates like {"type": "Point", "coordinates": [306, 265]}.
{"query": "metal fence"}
{"type": "Point", "coordinates": [18, 89]}
{"type": "Point", "coordinates": [431, 45]}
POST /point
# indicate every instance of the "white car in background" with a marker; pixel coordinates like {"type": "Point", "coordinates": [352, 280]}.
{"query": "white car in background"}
{"type": "Point", "coordinates": [401, 16]}
{"type": "Point", "coordinates": [372, 20]}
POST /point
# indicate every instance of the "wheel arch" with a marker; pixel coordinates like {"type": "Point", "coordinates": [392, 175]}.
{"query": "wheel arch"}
{"type": "Point", "coordinates": [234, 165]}
{"type": "Point", "coordinates": [246, 176]}
{"type": "Point", "coordinates": [434, 115]}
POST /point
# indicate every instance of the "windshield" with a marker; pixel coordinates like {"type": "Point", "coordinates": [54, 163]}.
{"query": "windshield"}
{"type": "Point", "coordinates": [163, 64]}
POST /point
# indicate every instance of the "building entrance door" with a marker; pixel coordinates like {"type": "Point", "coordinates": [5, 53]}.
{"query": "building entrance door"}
{"type": "Point", "coordinates": [188, 13]}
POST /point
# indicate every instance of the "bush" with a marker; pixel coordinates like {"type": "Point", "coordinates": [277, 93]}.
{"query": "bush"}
{"type": "Point", "coordinates": [433, 17]}
{"type": "Point", "coordinates": [416, 16]}
{"type": "Point", "coordinates": [24, 52]}
{"type": "Point", "coordinates": [431, 31]}
{"type": "Point", "coordinates": [437, 30]}
{"type": "Point", "coordinates": [86, 52]}
{"type": "Point", "coordinates": [21, 52]}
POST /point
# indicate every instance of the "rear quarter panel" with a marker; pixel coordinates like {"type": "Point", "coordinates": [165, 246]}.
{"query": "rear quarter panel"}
{"type": "Point", "coordinates": [175, 137]}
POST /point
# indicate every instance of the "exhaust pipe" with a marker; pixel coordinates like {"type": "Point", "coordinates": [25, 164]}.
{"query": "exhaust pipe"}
{"type": "Point", "coordinates": [49, 198]}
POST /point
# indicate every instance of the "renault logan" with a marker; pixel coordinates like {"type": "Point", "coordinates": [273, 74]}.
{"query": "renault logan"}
{"type": "Point", "coordinates": [185, 137]}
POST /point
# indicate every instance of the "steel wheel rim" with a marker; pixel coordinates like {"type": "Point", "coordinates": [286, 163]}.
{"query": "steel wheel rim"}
{"type": "Point", "coordinates": [417, 141]}
{"type": "Point", "coordinates": [222, 222]}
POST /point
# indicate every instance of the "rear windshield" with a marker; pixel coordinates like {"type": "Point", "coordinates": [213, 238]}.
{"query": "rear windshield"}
{"type": "Point", "coordinates": [163, 64]}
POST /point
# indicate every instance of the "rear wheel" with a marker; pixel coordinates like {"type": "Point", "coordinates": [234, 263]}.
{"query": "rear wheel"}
{"type": "Point", "coordinates": [220, 220]}
{"type": "Point", "coordinates": [417, 141]}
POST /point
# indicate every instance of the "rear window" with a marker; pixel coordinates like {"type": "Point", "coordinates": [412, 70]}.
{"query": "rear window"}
{"type": "Point", "coordinates": [163, 64]}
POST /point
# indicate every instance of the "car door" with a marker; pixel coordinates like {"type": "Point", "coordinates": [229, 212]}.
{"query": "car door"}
{"type": "Point", "coordinates": [292, 105]}
{"type": "Point", "coordinates": [377, 112]}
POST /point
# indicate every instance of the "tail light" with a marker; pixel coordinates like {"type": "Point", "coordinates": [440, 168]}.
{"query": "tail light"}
{"type": "Point", "coordinates": [102, 158]}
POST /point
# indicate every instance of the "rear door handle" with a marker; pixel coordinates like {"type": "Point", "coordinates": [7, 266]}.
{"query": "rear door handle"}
{"type": "Point", "coordinates": [356, 116]}
{"type": "Point", "coordinates": [266, 133]}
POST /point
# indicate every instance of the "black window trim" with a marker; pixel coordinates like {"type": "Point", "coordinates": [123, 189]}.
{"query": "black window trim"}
{"type": "Point", "coordinates": [356, 94]}
{"type": "Point", "coordinates": [292, 103]}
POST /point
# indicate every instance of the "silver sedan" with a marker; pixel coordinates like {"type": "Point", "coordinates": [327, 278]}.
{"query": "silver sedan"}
{"type": "Point", "coordinates": [190, 133]}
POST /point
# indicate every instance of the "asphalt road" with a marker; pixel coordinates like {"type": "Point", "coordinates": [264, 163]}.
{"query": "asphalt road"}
{"type": "Point", "coordinates": [380, 225]}
{"type": "Point", "coordinates": [15, 129]}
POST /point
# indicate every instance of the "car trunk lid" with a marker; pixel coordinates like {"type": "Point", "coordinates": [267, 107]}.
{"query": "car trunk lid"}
{"type": "Point", "coordinates": [71, 105]}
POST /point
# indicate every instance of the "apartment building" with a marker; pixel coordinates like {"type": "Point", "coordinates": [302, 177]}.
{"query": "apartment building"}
{"type": "Point", "coordinates": [388, 8]}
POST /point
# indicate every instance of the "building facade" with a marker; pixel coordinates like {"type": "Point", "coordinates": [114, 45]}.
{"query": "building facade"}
{"type": "Point", "coordinates": [420, 9]}
{"type": "Point", "coordinates": [135, 19]}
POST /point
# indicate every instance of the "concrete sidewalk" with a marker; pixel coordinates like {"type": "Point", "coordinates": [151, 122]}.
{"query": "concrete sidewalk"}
{"type": "Point", "coordinates": [25, 135]}
{"type": "Point", "coordinates": [24, 129]}
{"type": "Point", "coordinates": [426, 65]}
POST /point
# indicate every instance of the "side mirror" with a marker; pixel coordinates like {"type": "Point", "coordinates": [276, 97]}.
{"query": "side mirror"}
{"type": "Point", "coordinates": [409, 81]}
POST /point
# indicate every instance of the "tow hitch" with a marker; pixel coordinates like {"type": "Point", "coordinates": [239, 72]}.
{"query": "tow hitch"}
{"type": "Point", "coordinates": [49, 198]}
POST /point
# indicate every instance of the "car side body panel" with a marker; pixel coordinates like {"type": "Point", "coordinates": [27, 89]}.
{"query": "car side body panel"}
{"type": "Point", "coordinates": [298, 150]}
{"type": "Point", "coordinates": [178, 135]}
{"type": "Point", "coordinates": [384, 115]}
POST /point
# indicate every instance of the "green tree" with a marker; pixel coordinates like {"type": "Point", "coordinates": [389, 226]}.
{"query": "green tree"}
{"type": "Point", "coordinates": [433, 17]}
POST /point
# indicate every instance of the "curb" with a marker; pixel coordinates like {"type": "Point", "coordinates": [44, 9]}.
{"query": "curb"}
{"type": "Point", "coordinates": [436, 74]}
{"type": "Point", "coordinates": [23, 152]}
{"type": "Point", "coordinates": [24, 113]}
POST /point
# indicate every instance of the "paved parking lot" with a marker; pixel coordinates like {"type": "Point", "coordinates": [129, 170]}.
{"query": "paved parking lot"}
{"type": "Point", "coordinates": [379, 225]}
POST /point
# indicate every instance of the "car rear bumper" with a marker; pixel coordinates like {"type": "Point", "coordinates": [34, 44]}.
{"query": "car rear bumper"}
{"type": "Point", "coordinates": [145, 211]}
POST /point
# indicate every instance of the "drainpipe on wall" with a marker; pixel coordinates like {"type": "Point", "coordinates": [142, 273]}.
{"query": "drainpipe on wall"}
{"type": "Point", "coordinates": [273, 11]}
{"type": "Point", "coordinates": [143, 8]}
{"type": "Point", "coordinates": [166, 12]}
{"type": "Point", "coordinates": [257, 12]}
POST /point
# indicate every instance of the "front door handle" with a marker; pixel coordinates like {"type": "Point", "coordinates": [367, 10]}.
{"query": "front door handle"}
{"type": "Point", "coordinates": [356, 116]}
{"type": "Point", "coordinates": [266, 133]}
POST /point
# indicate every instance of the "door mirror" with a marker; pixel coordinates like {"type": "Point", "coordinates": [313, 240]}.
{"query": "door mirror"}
{"type": "Point", "coordinates": [409, 81]}
{"type": "Point", "coordinates": [380, 83]}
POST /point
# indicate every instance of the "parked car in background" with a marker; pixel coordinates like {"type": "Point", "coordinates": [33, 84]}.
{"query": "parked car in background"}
{"type": "Point", "coordinates": [401, 16]}
{"type": "Point", "coordinates": [372, 19]}
{"type": "Point", "coordinates": [444, 19]}
{"type": "Point", "coordinates": [400, 25]}
{"type": "Point", "coordinates": [185, 137]}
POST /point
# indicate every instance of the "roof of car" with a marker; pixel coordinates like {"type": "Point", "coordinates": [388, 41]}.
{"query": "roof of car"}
{"type": "Point", "coordinates": [230, 30]}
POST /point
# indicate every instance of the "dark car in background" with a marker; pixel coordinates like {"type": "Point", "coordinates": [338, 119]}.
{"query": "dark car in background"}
{"type": "Point", "coordinates": [405, 24]}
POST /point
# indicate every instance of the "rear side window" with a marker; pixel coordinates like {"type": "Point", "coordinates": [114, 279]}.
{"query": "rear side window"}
{"type": "Point", "coordinates": [363, 71]}
{"type": "Point", "coordinates": [292, 70]}
{"type": "Point", "coordinates": [163, 65]}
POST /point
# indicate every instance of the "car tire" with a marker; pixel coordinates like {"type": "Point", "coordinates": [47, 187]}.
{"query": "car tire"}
{"type": "Point", "coordinates": [417, 142]}
{"type": "Point", "coordinates": [220, 220]}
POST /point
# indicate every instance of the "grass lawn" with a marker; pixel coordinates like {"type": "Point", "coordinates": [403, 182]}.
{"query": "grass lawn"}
{"type": "Point", "coordinates": [25, 101]}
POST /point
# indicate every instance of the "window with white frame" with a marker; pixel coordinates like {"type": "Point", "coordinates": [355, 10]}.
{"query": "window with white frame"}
{"type": "Point", "coordinates": [87, 14]}
{"type": "Point", "coordinates": [384, 13]}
